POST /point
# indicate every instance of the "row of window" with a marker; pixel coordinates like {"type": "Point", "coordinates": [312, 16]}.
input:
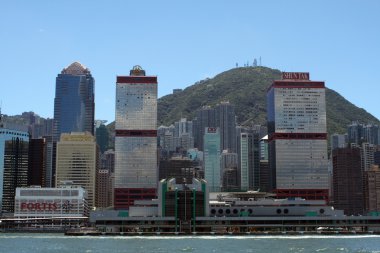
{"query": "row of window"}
{"type": "Point", "coordinates": [14, 133]}
{"type": "Point", "coordinates": [49, 193]}
{"type": "Point", "coordinates": [250, 211]}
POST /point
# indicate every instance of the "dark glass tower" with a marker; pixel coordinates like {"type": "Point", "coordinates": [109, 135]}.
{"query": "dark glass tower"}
{"type": "Point", "coordinates": [205, 118]}
{"type": "Point", "coordinates": [13, 166]}
{"type": "Point", "coordinates": [348, 181]}
{"type": "Point", "coordinates": [74, 104]}
{"type": "Point", "coordinates": [225, 120]}
{"type": "Point", "coordinates": [37, 162]}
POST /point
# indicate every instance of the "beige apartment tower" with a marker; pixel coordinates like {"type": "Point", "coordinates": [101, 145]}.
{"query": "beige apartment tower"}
{"type": "Point", "coordinates": [78, 161]}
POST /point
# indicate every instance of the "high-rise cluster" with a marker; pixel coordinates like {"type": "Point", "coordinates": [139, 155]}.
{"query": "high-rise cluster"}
{"type": "Point", "coordinates": [288, 157]}
{"type": "Point", "coordinates": [355, 156]}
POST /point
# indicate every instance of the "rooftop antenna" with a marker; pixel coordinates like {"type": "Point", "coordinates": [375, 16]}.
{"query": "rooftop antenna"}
{"type": "Point", "coordinates": [1, 116]}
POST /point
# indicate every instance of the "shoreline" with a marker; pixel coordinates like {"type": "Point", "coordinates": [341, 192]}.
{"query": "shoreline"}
{"type": "Point", "coordinates": [182, 234]}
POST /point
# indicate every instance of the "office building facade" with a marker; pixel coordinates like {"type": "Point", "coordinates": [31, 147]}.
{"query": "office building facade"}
{"type": "Point", "coordinates": [212, 169]}
{"type": "Point", "coordinates": [229, 171]}
{"type": "Point", "coordinates": [180, 168]}
{"type": "Point", "coordinates": [205, 117]}
{"type": "Point", "coordinates": [78, 161]}
{"type": "Point", "coordinates": [372, 189]}
{"type": "Point", "coordinates": [104, 189]}
{"type": "Point", "coordinates": [14, 149]}
{"type": "Point", "coordinates": [359, 133]}
{"type": "Point", "coordinates": [136, 175]}
{"type": "Point", "coordinates": [249, 159]}
{"type": "Point", "coordinates": [74, 105]}
{"type": "Point", "coordinates": [225, 118]}
{"type": "Point", "coordinates": [338, 141]}
{"type": "Point", "coordinates": [221, 116]}
{"type": "Point", "coordinates": [348, 188]}
{"type": "Point", "coordinates": [296, 109]}
{"type": "Point", "coordinates": [37, 162]}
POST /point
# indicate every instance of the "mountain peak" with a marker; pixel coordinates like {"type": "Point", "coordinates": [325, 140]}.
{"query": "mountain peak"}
{"type": "Point", "coordinates": [245, 88]}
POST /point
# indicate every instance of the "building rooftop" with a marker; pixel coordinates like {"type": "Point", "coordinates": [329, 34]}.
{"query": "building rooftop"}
{"type": "Point", "coordinates": [76, 68]}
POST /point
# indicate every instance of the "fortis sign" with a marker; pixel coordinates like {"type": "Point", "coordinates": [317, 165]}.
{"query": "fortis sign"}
{"type": "Point", "coordinates": [38, 206]}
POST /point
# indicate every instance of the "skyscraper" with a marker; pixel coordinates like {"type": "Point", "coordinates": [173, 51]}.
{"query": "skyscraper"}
{"type": "Point", "coordinates": [223, 117]}
{"type": "Point", "coordinates": [102, 137]}
{"type": "Point", "coordinates": [338, 141]}
{"type": "Point", "coordinates": [348, 189]}
{"type": "Point", "coordinates": [205, 118]}
{"type": "Point", "coordinates": [359, 133]}
{"type": "Point", "coordinates": [103, 189]}
{"type": "Point", "coordinates": [78, 161]}
{"type": "Point", "coordinates": [296, 109]}
{"type": "Point", "coordinates": [13, 165]}
{"type": "Point", "coordinates": [225, 120]}
{"type": "Point", "coordinates": [136, 175]}
{"type": "Point", "coordinates": [74, 104]}
{"type": "Point", "coordinates": [229, 170]}
{"type": "Point", "coordinates": [372, 189]}
{"type": "Point", "coordinates": [212, 152]}
{"type": "Point", "coordinates": [37, 162]}
{"type": "Point", "coordinates": [249, 160]}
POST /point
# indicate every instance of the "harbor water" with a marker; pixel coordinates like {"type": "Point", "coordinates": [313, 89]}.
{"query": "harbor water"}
{"type": "Point", "coordinates": [41, 243]}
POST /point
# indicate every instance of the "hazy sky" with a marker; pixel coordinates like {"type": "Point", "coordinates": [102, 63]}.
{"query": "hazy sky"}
{"type": "Point", "coordinates": [183, 42]}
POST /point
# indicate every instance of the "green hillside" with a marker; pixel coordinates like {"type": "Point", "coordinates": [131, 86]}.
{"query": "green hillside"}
{"type": "Point", "coordinates": [246, 89]}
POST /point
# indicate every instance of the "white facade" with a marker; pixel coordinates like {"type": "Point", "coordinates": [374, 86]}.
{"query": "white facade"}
{"type": "Point", "coordinates": [300, 110]}
{"type": "Point", "coordinates": [136, 106]}
{"type": "Point", "coordinates": [301, 164]}
{"type": "Point", "coordinates": [135, 125]}
{"type": "Point", "coordinates": [298, 133]}
{"type": "Point", "coordinates": [67, 201]}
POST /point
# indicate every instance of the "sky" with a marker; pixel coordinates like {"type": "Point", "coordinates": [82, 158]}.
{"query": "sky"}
{"type": "Point", "coordinates": [182, 42]}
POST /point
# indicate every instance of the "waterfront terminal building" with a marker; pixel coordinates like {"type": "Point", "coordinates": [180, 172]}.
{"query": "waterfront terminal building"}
{"type": "Point", "coordinates": [190, 209]}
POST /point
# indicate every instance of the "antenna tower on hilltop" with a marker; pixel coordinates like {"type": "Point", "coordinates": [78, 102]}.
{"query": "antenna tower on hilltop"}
{"type": "Point", "coordinates": [1, 116]}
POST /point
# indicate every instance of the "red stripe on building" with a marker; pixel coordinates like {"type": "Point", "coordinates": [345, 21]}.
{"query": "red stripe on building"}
{"type": "Point", "coordinates": [297, 84]}
{"type": "Point", "coordinates": [136, 133]}
{"type": "Point", "coordinates": [298, 136]}
{"type": "Point", "coordinates": [125, 197]}
{"type": "Point", "coordinates": [136, 79]}
{"type": "Point", "coordinates": [308, 194]}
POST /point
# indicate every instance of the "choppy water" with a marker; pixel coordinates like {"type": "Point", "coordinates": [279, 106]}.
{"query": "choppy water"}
{"type": "Point", "coordinates": [30, 243]}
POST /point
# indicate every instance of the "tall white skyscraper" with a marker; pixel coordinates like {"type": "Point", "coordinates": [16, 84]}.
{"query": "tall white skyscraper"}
{"type": "Point", "coordinates": [297, 136]}
{"type": "Point", "coordinates": [136, 175]}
